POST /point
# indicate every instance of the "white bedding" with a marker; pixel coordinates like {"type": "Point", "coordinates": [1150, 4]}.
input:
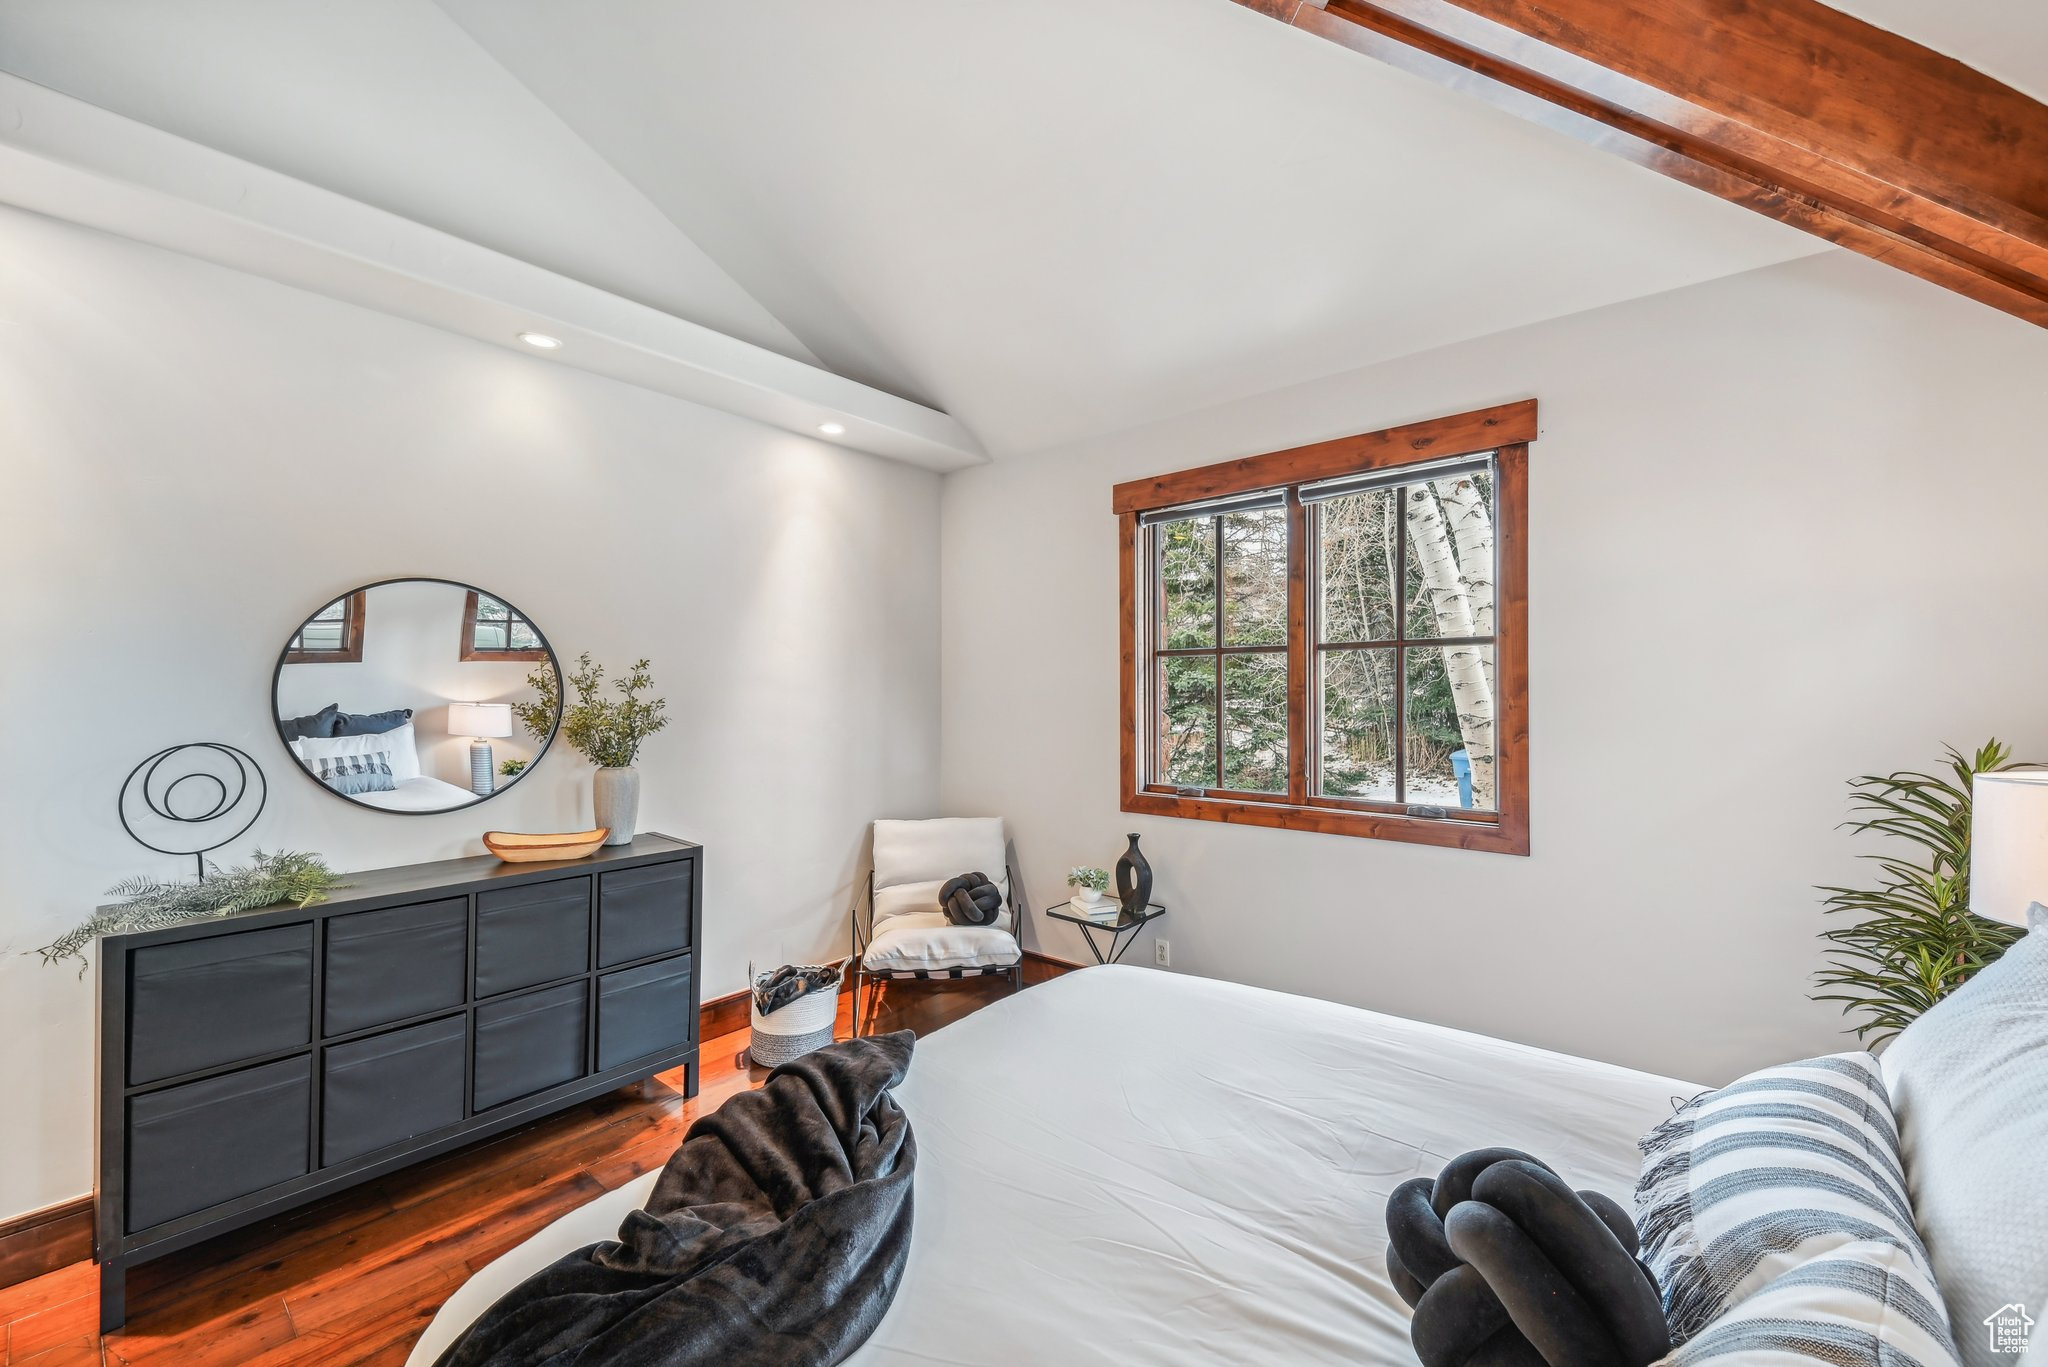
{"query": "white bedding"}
{"type": "Point", "coordinates": [1131, 1167]}
{"type": "Point", "coordinates": [419, 795]}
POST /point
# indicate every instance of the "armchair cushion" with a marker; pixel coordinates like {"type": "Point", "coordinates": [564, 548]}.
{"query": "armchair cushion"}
{"type": "Point", "coordinates": [925, 941]}
{"type": "Point", "coordinates": [914, 859]}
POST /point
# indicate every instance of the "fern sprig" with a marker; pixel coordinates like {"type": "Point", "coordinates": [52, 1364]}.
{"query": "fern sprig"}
{"type": "Point", "coordinates": [286, 878]}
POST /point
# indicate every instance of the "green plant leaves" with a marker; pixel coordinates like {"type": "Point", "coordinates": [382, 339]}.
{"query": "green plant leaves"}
{"type": "Point", "coordinates": [267, 880]}
{"type": "Point", "coordinates": [1913, 939]}
{"type": "Point", "coordinates": [608, 732]}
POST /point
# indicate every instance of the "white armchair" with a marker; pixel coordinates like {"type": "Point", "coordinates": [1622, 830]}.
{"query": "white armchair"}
{"type": "Point", "coordinates": [904, 934]}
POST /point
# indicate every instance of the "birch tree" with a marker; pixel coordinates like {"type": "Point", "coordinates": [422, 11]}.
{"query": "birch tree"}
{"type": "Point", "coordinates": [1451, 600]}
{"type": "Point", "coordinates": [1471, 523]}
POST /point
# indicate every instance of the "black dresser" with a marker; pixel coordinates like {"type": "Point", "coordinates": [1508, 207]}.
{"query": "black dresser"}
{"type": "Point", "coordinates": [253, 1064]}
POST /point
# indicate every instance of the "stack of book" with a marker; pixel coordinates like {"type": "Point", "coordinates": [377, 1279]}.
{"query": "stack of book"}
{"type": "Point", "coordinates": [1105, 911]}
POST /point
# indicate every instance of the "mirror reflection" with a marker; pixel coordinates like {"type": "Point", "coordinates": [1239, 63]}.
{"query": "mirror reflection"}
{"type": "Point", "coordinates": [413, 695]}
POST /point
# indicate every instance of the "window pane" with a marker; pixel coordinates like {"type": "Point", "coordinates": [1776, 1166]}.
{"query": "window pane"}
{"type": "Point", "coordinates": [320, 636]}
{"type": "Point", "coordinates": [333, 612]}
{"type": "Point", "coordinates": [1255, 723]}
{"type": "Point", "coordinates": [1358, 539]}
{"type": "Point", "coordinates": [1450, 557]}
{"type": "Point", "coordinates": [523, 636]}
{"type": "Point", "coordinates": [490, 636]}
{"type": "Point", "coordinates": [490, 609]}
{"type": "Point", "coordinates": [1187, 726]}
{"type": "Point", "coordinates": [1358, 723]}
{"type": "Point", "coordinates": [1450, 726]}
{"type": "Point", "coordinates": [1187, 582]}
{"type": "Point", "coordinates": [1255, 578]}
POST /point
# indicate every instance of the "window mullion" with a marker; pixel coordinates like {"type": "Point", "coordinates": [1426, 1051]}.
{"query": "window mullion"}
{"type": "Point", "coordinates": [1216, 525]}
{"type": "Point", "coordinates": [1300, 625]}
{"type": "Point", "coordinates": [1400, 588]}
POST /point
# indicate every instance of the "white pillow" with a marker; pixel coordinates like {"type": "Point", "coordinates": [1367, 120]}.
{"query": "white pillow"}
{"type": "Point", "coordinates": [914, 859]}
{"type": "Point", "coordinates": [929, 942]}
{"type": "Point", "coordinates": [399, 743]}
{"type": "Point", "coordinates": [933, 851]}
{"type": "Point", "coordinates": [1969, 1084]}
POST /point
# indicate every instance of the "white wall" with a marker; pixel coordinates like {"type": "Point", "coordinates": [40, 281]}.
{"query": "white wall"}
{"type": "Point", "coordinates": [1785, 528]}
{"type": "Point", "coordinates": [191, 460]}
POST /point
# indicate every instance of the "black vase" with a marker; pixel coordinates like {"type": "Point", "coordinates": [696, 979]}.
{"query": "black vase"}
{"type": "Point", "coordinates": [1133, 880]}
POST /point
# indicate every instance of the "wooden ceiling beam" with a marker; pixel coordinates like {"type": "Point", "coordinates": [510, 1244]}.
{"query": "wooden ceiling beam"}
{"type": "Point", "coordinates": [1787, 107]}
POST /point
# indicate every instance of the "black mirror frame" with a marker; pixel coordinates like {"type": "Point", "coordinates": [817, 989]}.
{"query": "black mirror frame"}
{"type": "Point", "coordinates": [554, 662]}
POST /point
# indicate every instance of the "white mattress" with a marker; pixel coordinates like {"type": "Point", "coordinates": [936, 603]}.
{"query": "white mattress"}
{"type": "Point", "coordinates": [419, 795]}
{"type": "Point", "coordinates": [1132, 1167]}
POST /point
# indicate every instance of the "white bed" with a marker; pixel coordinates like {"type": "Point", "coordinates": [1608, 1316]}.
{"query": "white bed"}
{"type": "Point", "coordinates": [421, 794]}
{"type": "Point", "coordinates": [1132, 1167]}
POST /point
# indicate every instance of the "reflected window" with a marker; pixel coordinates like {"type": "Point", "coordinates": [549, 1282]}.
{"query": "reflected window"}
{"type": "Point", "coordinates": [333, 635]}
{"type": "Point", "coordinates": [493, 631]}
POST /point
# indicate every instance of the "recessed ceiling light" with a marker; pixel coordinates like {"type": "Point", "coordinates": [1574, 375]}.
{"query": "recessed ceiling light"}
{"type": "Point", "coordinates": [832, 429]}
{"type": "Point", "coordinates": [541, 340]}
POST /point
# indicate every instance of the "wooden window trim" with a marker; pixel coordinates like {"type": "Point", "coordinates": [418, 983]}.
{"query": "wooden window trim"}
{"type": "Point", "coordinates": [1507, 431]}
{"type": "Point", "coordinates": [354, 620]}
{"type": "Point", "coordinates": [469, 654]}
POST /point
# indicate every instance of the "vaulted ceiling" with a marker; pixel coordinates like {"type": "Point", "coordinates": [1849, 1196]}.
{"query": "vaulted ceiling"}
{"type": "Point", "coordinates": [1052, 219]}
{"type": "Point", "coordinates": [2007, 40]}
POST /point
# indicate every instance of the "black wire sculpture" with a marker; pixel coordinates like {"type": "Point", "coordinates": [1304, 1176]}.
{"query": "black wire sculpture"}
{"type": "Point", "coordinates": [226, 779]}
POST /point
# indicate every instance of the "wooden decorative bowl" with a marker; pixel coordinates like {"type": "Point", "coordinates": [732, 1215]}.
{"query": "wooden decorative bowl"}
{"type": "Point", "coordinates": [516, 847]}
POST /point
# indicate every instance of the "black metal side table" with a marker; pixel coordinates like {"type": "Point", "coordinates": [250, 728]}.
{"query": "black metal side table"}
{"type": "Point", "coordinates": [1124, 921]}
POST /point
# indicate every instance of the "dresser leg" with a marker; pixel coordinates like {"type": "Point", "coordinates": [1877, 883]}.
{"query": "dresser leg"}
{"type": "Point", "coordinates": [113, 1296]}
{"type": "Point", "coordinates": [690, 1078]}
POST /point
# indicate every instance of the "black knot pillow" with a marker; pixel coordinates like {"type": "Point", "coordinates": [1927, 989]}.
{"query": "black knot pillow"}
{"type": "Point", "coordinates": [1506, 1266]}
{"type": "Point", "coordinates": [971, 900]}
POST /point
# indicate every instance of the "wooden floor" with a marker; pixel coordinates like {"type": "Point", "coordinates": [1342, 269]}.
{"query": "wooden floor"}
{"type": "Point", "coordinates": [352, 1281]}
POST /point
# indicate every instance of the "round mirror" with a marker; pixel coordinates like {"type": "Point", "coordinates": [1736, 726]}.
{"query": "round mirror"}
{"type": "Point", "coordinates": [417, 695]}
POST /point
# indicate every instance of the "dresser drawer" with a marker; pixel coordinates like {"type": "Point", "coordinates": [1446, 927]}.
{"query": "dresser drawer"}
{"type": "Point", "coordinates": [642, 1011]}
{"type": "Point", "coordinates": [391, 965]}
{"type": "Point", "coordinates": [530, 935]}
{"type": "Point", "coordinates": [531, 1042]}
{"type": "Point", "coordinates": [643, 912]}
{"type": "Point", "coordinates": [204, 1003]}
{"type": "Point", "coordinates": [390, 1087]}
{"type": "Point", "coordinates": [197, 1145]}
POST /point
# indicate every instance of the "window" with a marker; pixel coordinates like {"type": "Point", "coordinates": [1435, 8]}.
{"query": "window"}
{"type": "Point", "coordinates": [493, 631]}
{"type": "Point", "coordinates": [1333, 638]}
{"type": "Point", "coordinates": [333, 635]}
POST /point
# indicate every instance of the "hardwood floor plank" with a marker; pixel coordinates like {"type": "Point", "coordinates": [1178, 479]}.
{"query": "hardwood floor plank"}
{"type": "Point", "coordinates": [84, 1352]}
{"type": "Point", "coordinates": [220, 1340]}
{"type": "Point", "coordinates": [76, 1282]}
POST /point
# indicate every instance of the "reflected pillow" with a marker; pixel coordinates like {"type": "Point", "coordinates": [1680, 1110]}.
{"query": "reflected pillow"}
{"type": "Point", "coordinates": [321, 723]}
{"type": "Point", "coordinates": [352, 774]}
{"type": "Point", "coordinates": [398, 744]}
{"type": "Point", "coordinates": [368, 723]}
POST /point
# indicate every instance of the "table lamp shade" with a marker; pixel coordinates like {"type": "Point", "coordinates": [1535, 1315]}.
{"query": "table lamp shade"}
{"type": "Point", "coordinates": [484, 719]}
{"type": "Point", "coordinates": [2009, 844]}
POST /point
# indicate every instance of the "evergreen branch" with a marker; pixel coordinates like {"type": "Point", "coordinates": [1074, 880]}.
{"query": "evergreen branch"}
{"type": "Point", "coordinates": [146, 903]}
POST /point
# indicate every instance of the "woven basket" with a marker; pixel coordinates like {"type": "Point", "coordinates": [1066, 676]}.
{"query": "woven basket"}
{"type": "Point", "coordinates": [795, 1030]}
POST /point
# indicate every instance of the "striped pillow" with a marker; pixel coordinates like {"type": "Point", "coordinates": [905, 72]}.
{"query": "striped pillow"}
{"type": "Point", "coordinates": [1774, 1216]}
{"type": "Point", "coordinates": [352, 774]}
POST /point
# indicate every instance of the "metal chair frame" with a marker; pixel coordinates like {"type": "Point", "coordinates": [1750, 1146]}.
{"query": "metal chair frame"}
{"type": "Point", "coordinates": [864, 935]}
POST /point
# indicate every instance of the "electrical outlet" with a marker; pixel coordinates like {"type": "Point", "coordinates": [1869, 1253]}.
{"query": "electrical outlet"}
{"type": "Point", "coordinates": [1162, 953]}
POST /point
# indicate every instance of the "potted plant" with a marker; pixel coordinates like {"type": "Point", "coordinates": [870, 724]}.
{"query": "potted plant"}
{"type": "Point", "coordinates": [1091, 888]}
{"type": "Point", "coordinates": [1912, 939]}
{"type": "Point", "coordinates": [607, 731]}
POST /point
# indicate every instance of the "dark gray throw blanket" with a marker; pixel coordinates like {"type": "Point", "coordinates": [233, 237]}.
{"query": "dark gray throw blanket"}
{"type": "Point", "coordinates": [775, 1237]}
